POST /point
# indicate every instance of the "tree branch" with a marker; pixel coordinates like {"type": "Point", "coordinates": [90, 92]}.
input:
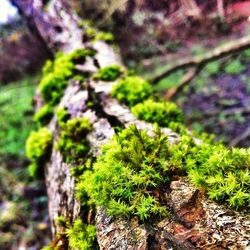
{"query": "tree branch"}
{"type": "Point", "coordinates": [219, 52]}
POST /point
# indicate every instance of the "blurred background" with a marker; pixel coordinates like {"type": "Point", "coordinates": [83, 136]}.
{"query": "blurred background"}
{"type": "Point", "coordinates": [150, 36]}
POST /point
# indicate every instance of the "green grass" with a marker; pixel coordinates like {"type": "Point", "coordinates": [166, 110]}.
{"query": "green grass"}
{"type": "Point", "coordinates": [16, 117]}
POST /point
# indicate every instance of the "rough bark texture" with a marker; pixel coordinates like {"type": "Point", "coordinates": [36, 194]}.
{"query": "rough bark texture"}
{"type": "Point", "coordinates": [194, 222]}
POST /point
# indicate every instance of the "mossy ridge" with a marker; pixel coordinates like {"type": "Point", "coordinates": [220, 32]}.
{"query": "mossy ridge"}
{"type": "Point", "coordinates": [124, 178]}
{"type": "Point", "coordinates": [38, 149]}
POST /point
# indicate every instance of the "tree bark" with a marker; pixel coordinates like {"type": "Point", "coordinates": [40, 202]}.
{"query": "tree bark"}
{"type": "Point", "coordinates": [195, 222]}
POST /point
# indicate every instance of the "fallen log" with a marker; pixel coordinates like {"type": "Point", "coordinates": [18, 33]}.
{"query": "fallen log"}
{"type": "Point", "coordinates": [194, 221]}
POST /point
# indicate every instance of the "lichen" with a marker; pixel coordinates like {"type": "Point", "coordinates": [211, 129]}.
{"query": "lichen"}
{"type": "Point", "coordinates": [38, 149]}
{"type": "Point", "coordinates": [109, 73]}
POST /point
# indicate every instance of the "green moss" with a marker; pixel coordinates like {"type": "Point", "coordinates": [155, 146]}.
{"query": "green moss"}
{"type": "Point", "coordinates": [235, 67]}
{"type": "Point", "coordinates": [38, 149]}
{"type": "Point", "coordinates": [62, 116]}
{"type": "Point", "coordinates": [73, 143]}
{"type": "Point", "coordinates": [56, 74]}
{"type": "Point", "coordinates": [44, 115]}
{"type": "Point", "coordinates": [90, 33]}
{"type": "Point", "coordinates": [104, 36]}
{"type": "Point", "coordinates": [81, 237]}
{"type": "Point", "coordinates": [223, 173]}
{"type": "Point", "coordinates": [109, 73]}
{"type": "Point", "coordinates": [61, 221]}
{"type": "Point", "coordinates": [132, 90]}
{"type": "Point", "coordinates": [162, 113]}
{"type": "Point", "coordinates": [78, 78]}
{"type": "Point", "coordinates": [131, 167]}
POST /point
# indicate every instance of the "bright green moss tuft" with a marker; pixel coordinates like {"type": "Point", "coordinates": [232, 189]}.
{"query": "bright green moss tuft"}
{"type": "Point", "coordinates": [81, 237]}
{"type": "Point", "coordinates": [38, 148]}
{"type": "Point", "coordinates": [104, 36]}
{"type": "Point", "coordinates": [61, 221]}
{"type": "Point", "coordinates": [162, 113]}
{"type": "Point", "coordinates": [62, 116]}
{"type": "Point", "coordinates": [223, 173]}
{"type": "Point", "coordinates": [131, 167]}
{"type": "Point", "coordinates": [73, 143]}
{"type": "Point", "coordinates": [44, 115]}
{"type": "Point", "coordinates": [56, 74]}
{"type": "Point", "coordinates": [132, 90]}
{"type": "Point", "coordinates": [90, 33]}
{"type": "Point", "coordinates": [109, 73]}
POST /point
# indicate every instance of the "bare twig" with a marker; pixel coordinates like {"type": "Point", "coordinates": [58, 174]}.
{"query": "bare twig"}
{"type": "Point", "coordinates": [219, 52]}
{"type": "Point", "coordinates": [240, 138]}
{"type": "Point", "coordinates": [188, 77]}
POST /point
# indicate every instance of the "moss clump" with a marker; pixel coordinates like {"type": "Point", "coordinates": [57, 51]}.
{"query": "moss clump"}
{"type": "Point", "coordinates": [162, 113]}
{"type": "Point", "coordinates": [132, 90]}
{"type": "Point", "coordinates": [73, 143]}
{"type": "Point", "coordinates": [90, 33]}
{"type": "Point", "coordinates": [80, 236]}
{"type": "Point", "coordinates": [125, 177]}
{"type": "Point", "coordinates": [109, 73]}
{"type": "Point", "coordinates": [56, 74]}
{"type": "Point", "coordinates": [62, 116]}
{"type": "Point", "coordinates": [104, 36]}
{"type": "Point", "coordinates": [223, 173]}
{"type": "Point", "coordinates": [38, 149]}
{"type": "Point", "coordinates": [44, 115]}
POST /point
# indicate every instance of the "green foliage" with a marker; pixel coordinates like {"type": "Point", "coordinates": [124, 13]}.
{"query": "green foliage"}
{"type": "Point", "coordinates": [132, 90]}
{"type": "Point", "coordinates": [235, 67]}
{"type": "Point", "coordinates": [109, 73]}
{"type": "Point", "coordinates": [16, 117]}
{"type": "Point", "coordinates": [81, 237]}
{"type": "Point", "coordinates": [44, 115]}
{"type": "Point", "coordinates": [222, 172]}
{"type": "Point", "coordinates": [162, 113]}
{"type": "Point", "coordinates": [131, 167]}
{"type": "Point", "coordinates": [212, 68]}
{"type": "Point", "coordinates": [73, 143]}
{"type": "Point", "coordinates": [56, 74]}
{"type": "Point", "coordinates": [38, 148]}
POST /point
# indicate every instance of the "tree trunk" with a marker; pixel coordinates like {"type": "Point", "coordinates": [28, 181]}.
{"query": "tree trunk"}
{"type": "Point", "coordinates": [195, 222]}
